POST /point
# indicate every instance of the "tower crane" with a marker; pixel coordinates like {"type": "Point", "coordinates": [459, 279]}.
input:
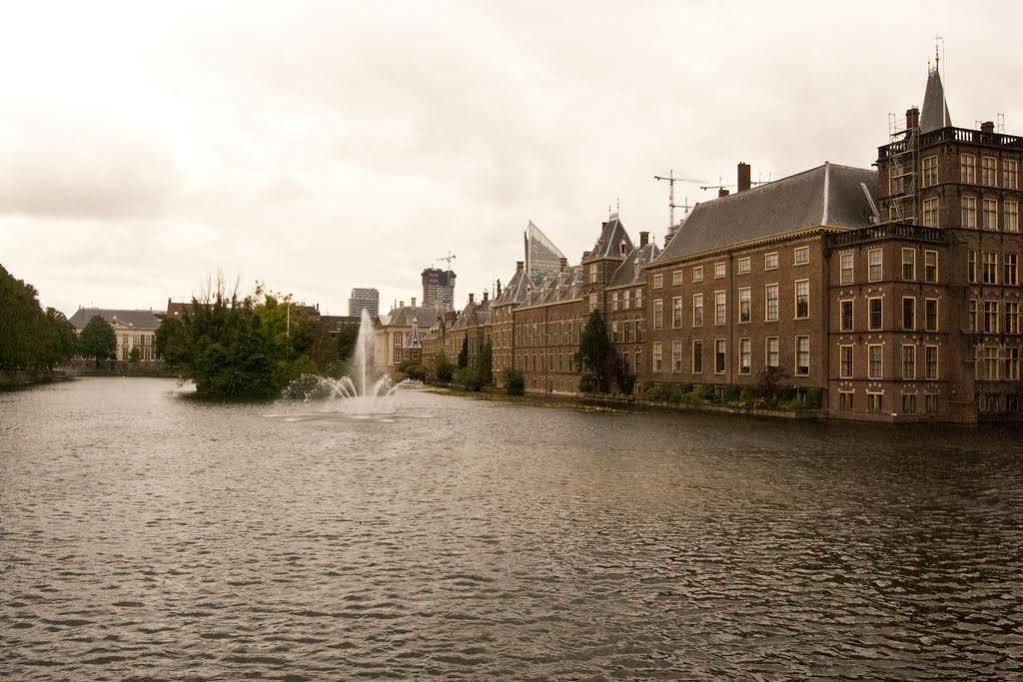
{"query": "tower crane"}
{"type": "Point", "coordinates": [671, 180]}
{"type": "Point", "coordinates": [448, 258]}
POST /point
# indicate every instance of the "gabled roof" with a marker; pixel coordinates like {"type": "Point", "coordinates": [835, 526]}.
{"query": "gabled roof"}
{"type": "Point", "coordinates": [516, 290]}
{"type": "Point", "coordinates": [139, 319]}
{"type": "Point", "coordinates": [610, 243]}
{"type": "Point", "coordinates": [934, 114]}
{"type": "Point", "coordinates": [476, 313]}
{"type": "Point", "coordinates": [412, 339]}
{"type": "Point", "coordinates": [403, 316]}
{"type": "Point", "coordinates": [631, 269]}
{"type": "Point", "coordinates": [833, 196]}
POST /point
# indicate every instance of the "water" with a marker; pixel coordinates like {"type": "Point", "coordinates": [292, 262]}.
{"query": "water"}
{"type": "Point", "coordinates": [149, 536]}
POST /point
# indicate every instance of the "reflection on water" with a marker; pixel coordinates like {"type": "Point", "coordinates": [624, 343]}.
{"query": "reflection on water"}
{"type": "Point", "coordinates": [149, 536]}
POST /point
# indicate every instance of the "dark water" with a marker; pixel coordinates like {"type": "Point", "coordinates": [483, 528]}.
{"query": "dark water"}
{"type": "Point", "coordinates": [149, 536]}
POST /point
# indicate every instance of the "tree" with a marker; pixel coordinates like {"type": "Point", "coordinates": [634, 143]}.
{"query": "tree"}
{"type": "Point", "coordinates": [597, 357]}
{"type": "Point", "coordinates": [172, 343]}
{"type": "Point", "coordinates": [485, 364]}
{"type": "Point", "coordinates": [29, 337]}
{"type": "Point", "coordinates": [97, 340]}
{"type": "Point", "coordinates": [769, 383]}
{"type": "Point", "coordinates": [463, 355]}
{"type": "Point", "coordinates": [135, 355]}
{"type": "Point", "coordinates": [441, 370]}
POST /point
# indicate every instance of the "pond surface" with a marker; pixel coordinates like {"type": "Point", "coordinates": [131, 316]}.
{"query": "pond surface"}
{"type": "Point", "coordinates": [148, 536]}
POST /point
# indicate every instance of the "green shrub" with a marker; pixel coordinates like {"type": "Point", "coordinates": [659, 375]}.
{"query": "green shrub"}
{"type": "Point", "coordinates": [656, 392]}
{"type": "Point", "coordinates": [748, 396]}
{"type": "Point", "coordinates": [469, 378]}
{"type": "Point", "coordinates": [515, 382]}
{"type": "Point", "coordinates": [413, 370]}
{"type": "Point", "coordinates": [704, 391]}
{"type": "Point", "coordinates": [731, 393]}
{"type": "Point", "coordinates": [441, 371]}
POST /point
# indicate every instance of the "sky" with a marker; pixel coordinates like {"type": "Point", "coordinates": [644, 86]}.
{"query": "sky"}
{"type": "Point", "coordinates": [316, 147]}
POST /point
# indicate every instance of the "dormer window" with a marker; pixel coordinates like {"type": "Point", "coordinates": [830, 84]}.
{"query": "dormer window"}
{"type": "Point", "coordinates": [621, 248]}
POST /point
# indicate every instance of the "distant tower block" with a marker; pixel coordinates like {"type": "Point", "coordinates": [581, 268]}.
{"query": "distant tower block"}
{"type": "Point", "coordinates": [364, 299]}
{"type": "Point", "coordinates": [439, 289]}
{"type": "Point", "coordinates": [542, 256]}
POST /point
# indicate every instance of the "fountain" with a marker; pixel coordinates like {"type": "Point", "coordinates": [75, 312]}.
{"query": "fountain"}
{"type": "Point", "coordinates": [360, 393]}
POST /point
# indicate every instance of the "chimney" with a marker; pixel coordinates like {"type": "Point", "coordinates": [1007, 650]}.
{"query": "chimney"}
{"type": "Point", "coordinates": [472, 299]}
{"type": "Point", "coordinates": [486, 295]}
{"type": "Point", "coordinates": [498, 288]}
{"type": "Point", "coordinates": [912, 118]}
{"type": "Point", "coordinates": [722, 192]}
{"type": "Point", "coordinates": [987, 127]}
{"type": "Point", "coordinates": [563, 262]}
{"type": "Point", "coordinates": [413, 301]}
{"type": "Point", "coordinates": [644, 239]}
{"type": "Point", "coordinates": [518, 266]}
{"type": "Point", "coordinates": [743, 183]}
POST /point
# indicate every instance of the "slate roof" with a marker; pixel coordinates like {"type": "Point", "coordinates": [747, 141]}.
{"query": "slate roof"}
{"type": "Point", "coordinates": [564, 285]}
{"type": "Point", "coordinates": [612, 236]}
{"type": "Point", "coordinates": [830, 195]}
{"type": "Point", "coordinates": [516, 291]}
{"type": "Point", "coordinates": [402, 316]}
{"type": "Point", "coordinates": [139, 319]}
{"type": "Point", "coordinates": [934, 113]}
{"type": "Point", "coordinates": [481, 310]}
{"type": "Point", "coordinates": [630, 271]}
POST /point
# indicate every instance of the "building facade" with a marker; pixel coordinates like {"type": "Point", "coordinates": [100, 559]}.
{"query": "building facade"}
{"type": "Point", "coordinates": [364, 299]}
{"type": "Point", "coordinates": [134, 329]}
{"type": "Point", "coordinates": [438, 289]}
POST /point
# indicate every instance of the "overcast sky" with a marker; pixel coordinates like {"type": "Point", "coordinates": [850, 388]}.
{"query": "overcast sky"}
{"type": "Point", "coordinates": [321, 146]}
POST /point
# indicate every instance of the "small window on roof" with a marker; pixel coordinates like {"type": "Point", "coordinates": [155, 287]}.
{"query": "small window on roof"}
{"type": "Point", "coordinates": [621, 248]}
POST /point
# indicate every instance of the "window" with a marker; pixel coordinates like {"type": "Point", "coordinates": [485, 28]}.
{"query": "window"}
{"type": "Point", "coordinates": [875, 366]}
{"type": "Point", "coordinates": [991, 317]}
{"type": "Point", "coordinates": [772, 351]}
{"type": "Point", "coordinates": [676, 312]}
{"type": "Point", "coordinates": [802, 299]}
{"type": "Point", "coordinates": [1011, 223]}
{"type": "Point", "coordinates": [802, 355]}
{"type": "Point", "coordinates": [639, 298]}
{"type": "Point", "coordinates": [989, 363]}
{"type": "Point", "coordinates": [719, 270]}
{"type": "Point", "coordinates": [930, 266]}
{"type": "Point", "coordinates": [801, 256]}
{"type": "Point", "coordinates": [720, 356]}
{"type": "Point", "coordinates": [1011, 369]}
{"type": "Point", "coordinates": [594, 271]}
{"type": "Point", "coordinates": [639, 360]}
{"type": "Point", "coordinates": [744, 305]}
{"type": "Point", "coordinates": [626, 299]}
{"type": "Point", "coordinates": [874, 402]}
{"type": "Point", "coordinates": [908, 313]}
{"type": "Point", "coordinates": [990, 214]}
{"type": "Point", "coordinates": [876, 317]}
{"type": "Point", "coordinates": [846, 274]}
{"type": "Point", "coordinates": [989, 272]}
{"type": "Point", "coordinates": [745, 356]}
{"type": "Point", "coordinates": [909, 403]}
{"type": "Point", "coordinates": [640, 332]}
{"type": "Point", "coordinates": [930, 171]}
{"type": "Point", "coordinates": [614, 301]}
{"type": "Point", "coordinates": [697, 273]}
{"type": "Point", "coordinates": [615, 336]}
{"type": "Point", "coordinates": [676, 278]}
{"type": "Point", "coordinates": [969, 211]}
{"type": "Point", "coordinates": [988, 177]}
{"type": "Point", "coordinates": [1010, 174]}
{"type": "Point", "coordinates": [909, 264]}
{"type": "Point", "coordinates": [974, 324]}
{"type": "Point", "coordinates": [971, 267]}
{"type": "Point", "coordinates": [658, 314]}
{"type": "Point", "coordinates": [697, 310]}
{"type": "Point", "coordinates": [931, 402]}
{"type": "Point", "coordinates": [875, 260]}
{"type": "Point", "coordinates": [968, 169]}
{"type": "Point", "coordinates": [931, 314]}
{"type": "Point", "coordinates": [720, 307]}
{"type": "Point", "coordinates": [743, 265]}
{"type": "Point", "coordinates": [845, 365]}
{"type": "Point", "coordinates": [845, 319]}
{"type": "Point", "coordinates": [657, 356]}
{"type": "Point", "coordinates": [771, 308]}
{"type": "Point", "coordinates": [676, 357]}
{"type": "Point", "coordinates": [908, 363]}
{"type": "Point", "coordinates": [930, 212]}
{"type": "Point", "coordinates": [697, 356]}
{"type": "Point", "coordinates": [658, 281]}
{"type": "Point", "coordinates": [1010, 273]}
{"type": "Point", "coordinates": [593, 302]}
{"type": "Point", "coordinates": [771, 260]}
{"type": "Point", "coordinates": [1011, 317]}
{"type": "Point", "coordinates": [845, 400]}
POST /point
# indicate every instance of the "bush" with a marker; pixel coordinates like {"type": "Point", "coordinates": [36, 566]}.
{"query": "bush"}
{"type": "Point", "coordinates": [704, 391]}
{"type": "Point", "coordinates": [441, 371]}
{"type": "Point", "coordinates": [748, 396]}
{"type": "Point", "coordinates": [656, 392]}
{"type": "Point", "coordinates": [769, 384]}
{"type": "Point", "coordinates": [413, 370]}
{"type": "Point", "coordinates": [731, 393]}
{"type": "Point", "coordinates": [515, 382]}
{"type": "Point", "coordinates": [469, 378]}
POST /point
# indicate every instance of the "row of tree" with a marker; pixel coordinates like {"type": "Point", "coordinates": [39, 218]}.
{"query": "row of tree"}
{"type": "Point", "coordinates": [31, 338]}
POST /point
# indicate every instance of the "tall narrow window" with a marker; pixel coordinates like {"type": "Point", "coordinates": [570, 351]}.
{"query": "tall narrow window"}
{"type": "Point", "coordinates": [802, 355]}
{"type": "Point", "coordinates": [846, 316]}
{"type": "Point", "coordinates": [697, 356]}
{"type": "Point", "coordinates": [988, 177]}
{"type": "Point", "coordinates": [931, 315]}
{"type": "Point", "coordinates": [908, 313]}
{"type": "Point", "coordinates": [1010, 273]}
{"type": "Point", "coordinates": [845, 368]}
{"type": "Point", "coordinates": [875, 259]}
{"type": "Point", "coordinates": [676, 312]}
{"type": "Point", "coordinates": [720, 356]}
{"type": "Point", "coordinates": [931, 362]}
{"type": "Point", "coordinates": [658, 349]}
{"type": "Point", "coordinates": [990, 214]}
{"type": "Point", "coordinates": [773, 352]}
{"type": "Point", "coordinates": [908, 363]}
{"type": "Point", "coordinates": [875, 364]}
{"type": "Point", "coordinates": [658, 314]}
{"type": "Point", "coordinates": [909, 264]}
{"type": "Point", "coordinates": [1011, 209]}
{"type": "Point", "coordinates": [697, 273]}
{"type": "Point", "coordinates": [929, 167]}
{"type": "Point", "coordinates": [771, 307]}
{"type": "Point", "coordinates": [989, 272]}
{"type": "Point", "coordinates": [744, 305]}
{"type": "Point", "coordinates": [930, 211]}
{"type": "Point", "coordinates": [971, 267]}
{"type": "Point", "coordinates": [930, 266]}
{"type": "Point", "coordinates": [802, 299]}
{"type": "Point", "coordinates": [1010, 174]}
{"type": "Point", "coordinates": [875, 318]}
{"type": "Point", "coordinates": [720, 308]}
{"type": "Point", "coordinates": [991, 317]}
{"type": "Point", "coordinates": [969, 211]}
{"type": "Point", "coordinates": [846, 275]}
{"type": "Point", "coordinates": [1012, 317]}
{"type": "Point", "coordinates": [967, 169]}
{"type": "Point", "coordinates": [676, 357]}
{"type": "Point", "coordinates": [745, 356]}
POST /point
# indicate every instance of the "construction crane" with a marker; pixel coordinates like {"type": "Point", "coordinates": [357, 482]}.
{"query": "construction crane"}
{"type": "Point", "coordinates": [448, 258]}
{"type": "Point", "coordinates": [671, 180]}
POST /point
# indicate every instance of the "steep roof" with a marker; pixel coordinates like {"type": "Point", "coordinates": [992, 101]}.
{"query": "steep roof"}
{"type": "Point", "coordinates": [630, 271]}
{"type": "Point", "coordinates": [402, 316]}
{"type": "Point", "coordinates": [610, 243]}
{"type": "Point", "coordinates": [140, 319]}
{"type": "Point", "coordinates": [830, 195]}
{"type": "Point", "coordinates": [934, 114]}
{"type": "Point", "coordinates": [542, 255]}
{"type": "Point", "coordinates": [516, 290]}
{"type": "Point", "coordinates": [478, 311]}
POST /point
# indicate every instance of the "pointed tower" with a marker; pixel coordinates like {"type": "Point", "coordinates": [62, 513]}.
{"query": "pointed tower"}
{"type": "Point", "coordinates": [934, 114]}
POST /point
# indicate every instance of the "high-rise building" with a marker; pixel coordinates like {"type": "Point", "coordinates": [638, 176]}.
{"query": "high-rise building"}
{"type": "Point", "coordinates": [364, 299]}
{"type": "Point", "coordinates": [542, 256]}
{"type": "Point", "coordinates": [439, 289]}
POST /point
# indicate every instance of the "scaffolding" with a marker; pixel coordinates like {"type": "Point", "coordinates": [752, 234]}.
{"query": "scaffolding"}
{"type": "Point", "coordinates": [903, 168]}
